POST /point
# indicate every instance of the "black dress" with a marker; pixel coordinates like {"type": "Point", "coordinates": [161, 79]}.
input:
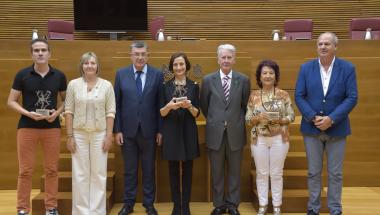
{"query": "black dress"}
{"type": "Point", "coordinates": [179, 129]}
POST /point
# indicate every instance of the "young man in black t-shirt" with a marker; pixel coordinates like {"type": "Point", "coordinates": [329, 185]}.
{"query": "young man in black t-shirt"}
{"type": "Point", "coordinates": [40, 85]}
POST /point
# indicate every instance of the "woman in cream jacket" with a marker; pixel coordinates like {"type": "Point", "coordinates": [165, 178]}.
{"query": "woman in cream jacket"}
{"type": "Point", "coordinates": [90, 112]}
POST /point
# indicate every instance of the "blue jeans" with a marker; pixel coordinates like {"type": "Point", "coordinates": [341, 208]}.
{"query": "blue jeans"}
{"type": "Point", "coordinates": [315, 146]}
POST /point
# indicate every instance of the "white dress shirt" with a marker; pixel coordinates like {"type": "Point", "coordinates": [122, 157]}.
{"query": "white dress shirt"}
{"type": "Point", "coordinates": [325, 75]}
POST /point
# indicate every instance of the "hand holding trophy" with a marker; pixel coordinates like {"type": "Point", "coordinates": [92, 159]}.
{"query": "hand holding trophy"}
{"type": "Point", "coordinates": [270, 117]}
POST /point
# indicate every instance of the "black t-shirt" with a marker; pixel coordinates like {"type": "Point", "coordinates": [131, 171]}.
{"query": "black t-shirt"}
{"type": "Point", "coordinates": [39, 93]}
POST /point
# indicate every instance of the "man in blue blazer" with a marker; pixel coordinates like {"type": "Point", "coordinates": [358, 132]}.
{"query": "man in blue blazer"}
{"type": "Point", "coordinates": [326, 92]}
{"type": "Point", "coordinates": [137, 125]}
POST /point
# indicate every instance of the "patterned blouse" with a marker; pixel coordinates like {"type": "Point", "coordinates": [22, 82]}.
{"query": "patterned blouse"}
{"type": "Point", "coordinates": [276, 103]}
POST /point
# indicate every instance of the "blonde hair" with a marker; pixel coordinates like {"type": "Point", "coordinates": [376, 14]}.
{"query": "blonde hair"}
{"type": "Point", "coordinates": [85, 57]}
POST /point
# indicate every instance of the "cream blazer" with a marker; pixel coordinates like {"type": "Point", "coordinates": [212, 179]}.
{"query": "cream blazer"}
{"type": "Point", "coordinates": [76, 99]}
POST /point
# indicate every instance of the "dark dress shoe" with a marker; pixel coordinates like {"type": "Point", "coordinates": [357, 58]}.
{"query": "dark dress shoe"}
{"type": "Point", "coordinates": [311, 212]}
{"type": "Point", "coordinates": [151, 210]}
{"type": "Point", "coordinates": [233, 211]}
{"type": "Point", "coordinates": [186, 209]}
{"type": "Point", "coordinates": [176, 209]}
{"type": "Point", "coordinates": [127, 209]}
{"type": "Point", "coordinates": [218, 211]}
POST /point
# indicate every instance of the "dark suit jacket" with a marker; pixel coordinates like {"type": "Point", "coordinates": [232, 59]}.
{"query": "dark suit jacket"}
{"type": "Point", "coordinates": [132, 110]}
{"type": "Point", "coordinates": [340, 99]}
{"type": "Point", "coordinates": [217, 111]}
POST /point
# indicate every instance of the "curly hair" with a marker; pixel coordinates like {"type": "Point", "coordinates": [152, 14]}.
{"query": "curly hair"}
{"type": "Point", "coordinates": [271, 64]}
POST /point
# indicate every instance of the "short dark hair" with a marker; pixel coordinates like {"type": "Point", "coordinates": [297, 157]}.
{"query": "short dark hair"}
{"type": "Point", "coordinates": [271, 64]}
{"type": "Point", "coordinates": [139, 44]}
{"type": "Point", "coordinates": [39, 40]}
{"type": "Point", "coordinates": [177, 55]}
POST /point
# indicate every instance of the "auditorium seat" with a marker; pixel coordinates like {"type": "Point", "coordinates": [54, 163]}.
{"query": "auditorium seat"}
{"type": "Point", "coordinates": [298, 29]}
{"type": "Point", "coordinates": [60, 29]}
{"type": "Point", "coordinates": [155, 25]}
{"type": "Point", "coordinates": [358, 27]}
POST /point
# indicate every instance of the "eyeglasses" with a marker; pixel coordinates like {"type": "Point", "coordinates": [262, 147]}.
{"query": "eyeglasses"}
{"type": "Point", "coordinates": [139, 54]}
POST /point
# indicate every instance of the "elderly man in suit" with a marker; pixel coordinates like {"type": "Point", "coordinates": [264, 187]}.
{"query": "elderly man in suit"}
{"type": "Point", "coordinates": [224, 97]}
{"type": "Point", "coordinates": [137, 123]}
{"type": "Point", "coordinates": [326, 92]}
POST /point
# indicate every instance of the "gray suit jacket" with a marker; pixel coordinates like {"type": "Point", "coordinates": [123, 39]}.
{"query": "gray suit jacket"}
{"type": "Point", "coordinates": [219, 113]}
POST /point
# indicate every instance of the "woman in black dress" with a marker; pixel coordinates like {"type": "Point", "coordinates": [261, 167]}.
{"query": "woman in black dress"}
{"type": "Point", "coordinates": [179, 108]}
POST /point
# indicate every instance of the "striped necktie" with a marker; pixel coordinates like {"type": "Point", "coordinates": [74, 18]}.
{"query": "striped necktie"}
{"type": "Point", "coordinates": [226, 87]}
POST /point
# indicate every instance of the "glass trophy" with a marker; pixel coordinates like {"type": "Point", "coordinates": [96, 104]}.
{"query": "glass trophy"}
{"type": "Point", "coordinates": [180, 91]}
{"type": "Point", "coordinates": [43, 102]}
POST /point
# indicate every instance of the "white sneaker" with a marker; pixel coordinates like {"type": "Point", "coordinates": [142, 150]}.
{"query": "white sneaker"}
{"type": "Point", "coordinates": [262, 210]}
{"type": "Point", "coordinates": [22, 212]}
{"type": "Point", "coordinates": [277, 210]}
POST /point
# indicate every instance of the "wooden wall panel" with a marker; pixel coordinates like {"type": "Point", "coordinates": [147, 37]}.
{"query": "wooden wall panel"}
{"type": "Point", "coordinates": [362, 155]}
{"type": "Point", "coordinates": [201, 19]}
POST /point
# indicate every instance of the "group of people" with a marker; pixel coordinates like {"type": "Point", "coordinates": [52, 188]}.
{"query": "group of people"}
{"type": "Point", "coordinates": [142, 112]}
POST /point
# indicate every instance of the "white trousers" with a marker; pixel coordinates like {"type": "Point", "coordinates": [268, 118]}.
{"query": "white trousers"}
{"type": "Point", "coordinates": [89, 169]}
{"type": "Point", "coordinates": [269, 154]}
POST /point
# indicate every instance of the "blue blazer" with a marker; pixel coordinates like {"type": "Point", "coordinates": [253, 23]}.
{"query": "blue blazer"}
{"type": "Point", "coordinates": [340, 99]}
{"type": "Point", "coordinates": [132, 110]}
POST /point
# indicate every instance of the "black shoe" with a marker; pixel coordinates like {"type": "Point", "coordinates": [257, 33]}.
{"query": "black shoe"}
{"type": "Point", "coordinates": [186, 209]}
{"type": "Point", "coordinates": [127, 209]}
{"type": "Point", "coordinates": [233, 211]}
{"type": "Point", "coordinates": [218, 211]}
{"type": "Point", "coordinates": [311, 212]}
{"type": "Point", "coordinates": [151, 210]}
{"type": "Point", "coordinates": [176, 209]}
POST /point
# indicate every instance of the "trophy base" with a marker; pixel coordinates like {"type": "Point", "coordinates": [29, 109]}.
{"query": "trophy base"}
{"type": "Point", "coordinates": [180, 99]}
{"type": "Point", "coordinates": [43, 112]}
{"type": "Point", "coordinates": [273, 115]}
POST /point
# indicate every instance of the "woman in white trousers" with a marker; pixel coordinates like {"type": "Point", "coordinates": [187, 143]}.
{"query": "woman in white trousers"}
{"type": "Point", "coordinates": [269, 112]}
{"type": "Point", "coordinates": [90, 112]}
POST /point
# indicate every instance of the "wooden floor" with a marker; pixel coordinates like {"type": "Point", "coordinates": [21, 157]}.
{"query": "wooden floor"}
{"type": "Point", "coordinates": [356, 201]}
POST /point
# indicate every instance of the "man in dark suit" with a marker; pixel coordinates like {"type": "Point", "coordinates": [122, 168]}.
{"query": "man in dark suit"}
{"type": "Point", "coordinates": [137, 125]}
{"type": "Point", "coordinates": [326, 92]}
{"type": "Point", "coordinates": [224, 97]}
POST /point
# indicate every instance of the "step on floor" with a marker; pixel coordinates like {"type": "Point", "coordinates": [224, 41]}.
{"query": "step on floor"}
{"type": "Point", "coordinates": [292, 178]}
{"type": "Point", "coordinates": [296, 160]}
{"type": "Point", "coordinates": [64, 203]}
{"type": "Point", "coordinates": [65, 181]}
{"type": "Point", "coordinates": [65, 162]}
